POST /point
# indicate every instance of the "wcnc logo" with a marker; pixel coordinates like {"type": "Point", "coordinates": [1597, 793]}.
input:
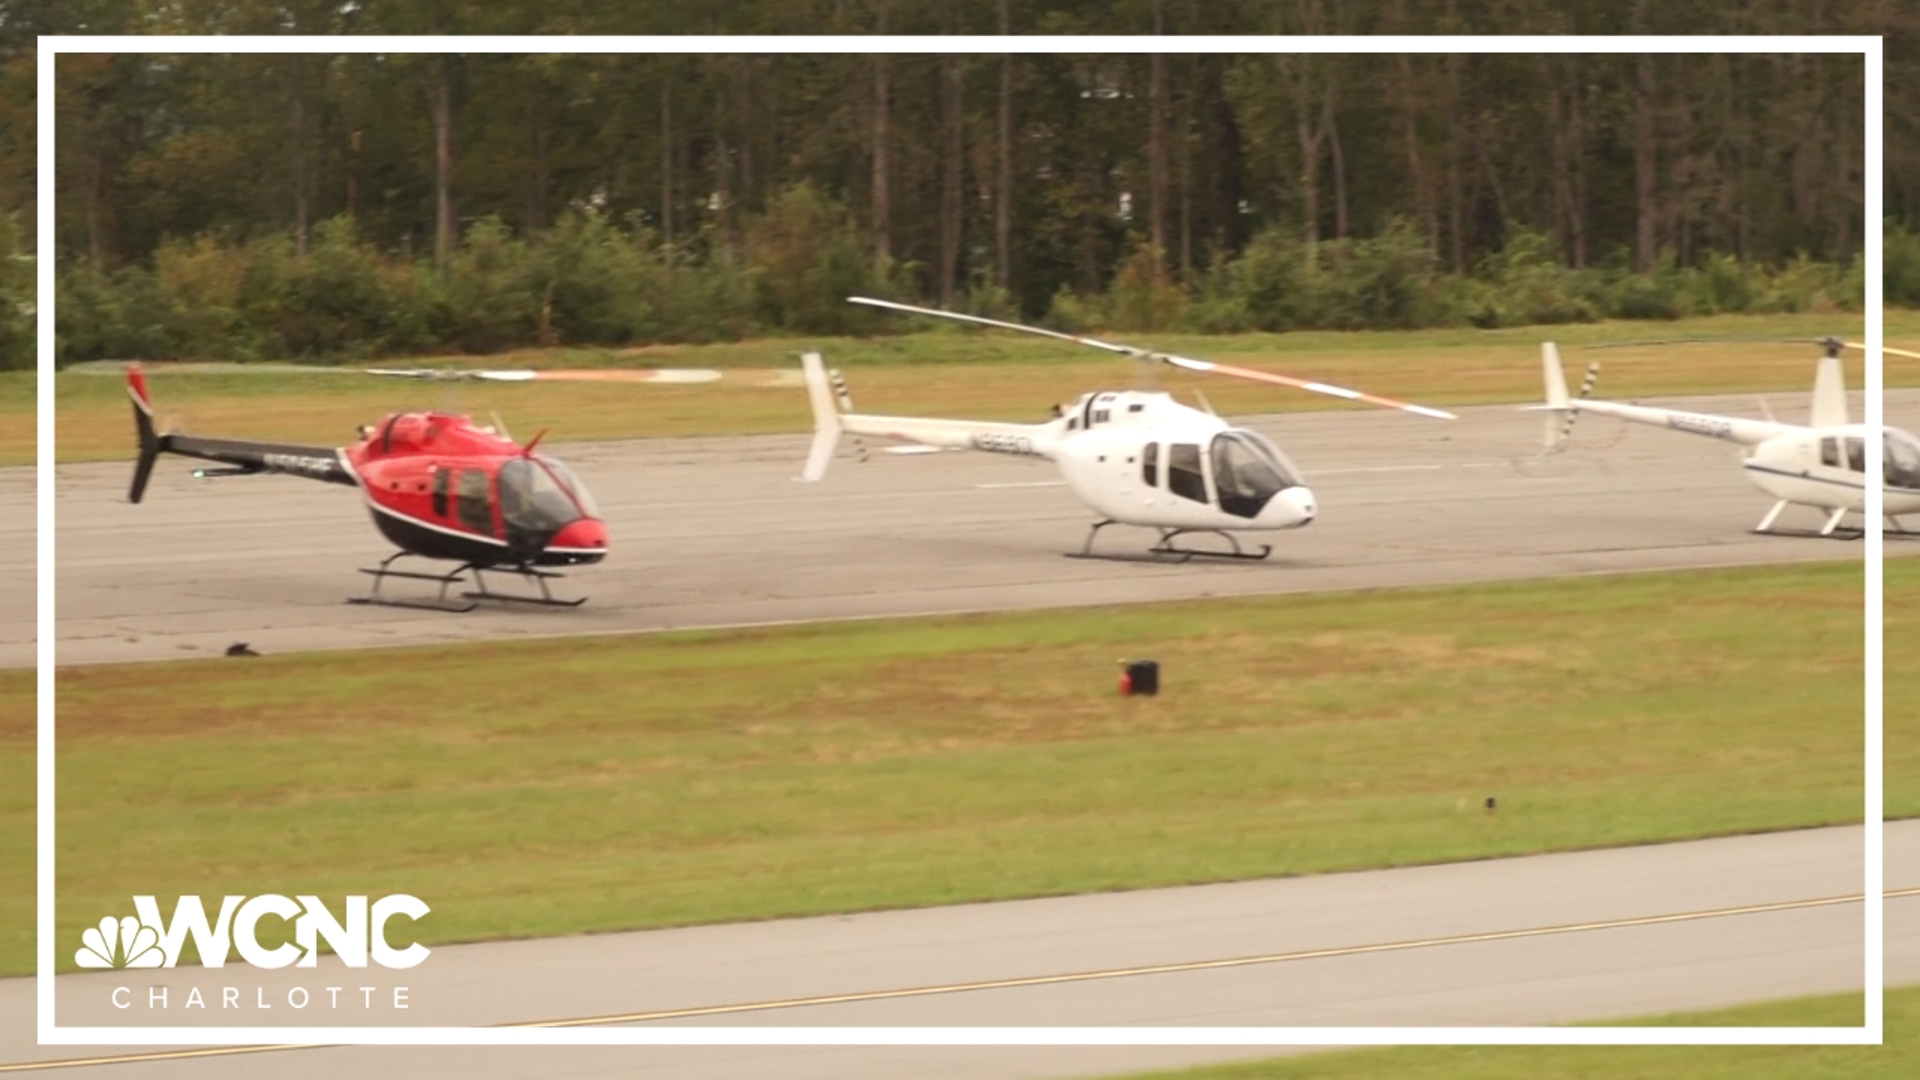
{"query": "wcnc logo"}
{"type": "Point", "coordinates": [150, 942]}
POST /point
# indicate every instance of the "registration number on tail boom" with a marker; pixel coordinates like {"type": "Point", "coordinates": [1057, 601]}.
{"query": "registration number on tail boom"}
{"type": "Point", "coordinates": [996, 443]}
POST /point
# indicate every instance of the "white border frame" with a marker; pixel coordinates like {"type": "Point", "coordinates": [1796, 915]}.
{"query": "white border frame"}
{"type": "Point", "coordinates": [1870, 1034]}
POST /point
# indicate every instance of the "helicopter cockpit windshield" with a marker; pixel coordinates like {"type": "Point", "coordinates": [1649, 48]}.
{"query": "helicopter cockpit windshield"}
{"type": "Point", "coordinates": [1248, 470]}
{"type": "Point", "coordinates": [539, 496]}
{"type": "Point", "coordinates": [1901, 461]}
{"type": "Point", "coordinates": [581, 496]}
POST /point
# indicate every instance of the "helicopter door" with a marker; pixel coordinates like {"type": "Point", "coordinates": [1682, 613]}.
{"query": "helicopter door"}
{"type": "Point", "coordinates": [1150, 464]}
{"type": "Point", "coordinates": [1857, 454]}
{"type": "Point", "coordinates": [439, 492]}
{"type": "Point", "coordinates": [1830, 451]}
{"type": "Point", "coordinates": [1185, 477]}
{"type": "Point", "coordinates": [475, 502]}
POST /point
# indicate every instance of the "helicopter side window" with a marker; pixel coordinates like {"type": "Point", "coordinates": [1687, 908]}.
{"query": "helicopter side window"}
{"type": "Point", "coordinates": [1857, 454]}
{"type": "Point", "coordinates": [1150, 464]}
{"type": "Point", "coordinates": [1830, 452]}
{"type": "Point", "coordinates": [473, 505]}
{"type": "Point", "coordinates": [439, 492]}
{"type": "Point", "coordinates": [1184, 477]}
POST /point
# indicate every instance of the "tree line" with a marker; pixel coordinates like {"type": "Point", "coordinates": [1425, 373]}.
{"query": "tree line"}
{"type": "Point", "coordinates": [1136, 189]}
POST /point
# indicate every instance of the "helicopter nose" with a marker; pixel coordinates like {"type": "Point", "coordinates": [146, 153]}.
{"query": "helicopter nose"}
{"type": "Point", "coordinates": [584, 540]}
{"type": "Point", "coordinates": [1291, 508]}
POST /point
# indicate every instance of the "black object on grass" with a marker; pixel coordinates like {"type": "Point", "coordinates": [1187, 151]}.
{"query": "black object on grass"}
{"type": "Point", "coordinates": [1140, 677]}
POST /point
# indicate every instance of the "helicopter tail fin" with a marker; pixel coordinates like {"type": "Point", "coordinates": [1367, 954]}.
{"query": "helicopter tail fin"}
{"type": "Point", "coordinates": [150, 445]}
{"type": "Point", "coordinates": [826, 417]}
{"type": "Point", "coordinates": [1829, 394]}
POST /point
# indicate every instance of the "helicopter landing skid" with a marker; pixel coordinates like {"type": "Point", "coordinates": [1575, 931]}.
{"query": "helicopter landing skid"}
{"type": "Point", "coordinates": [1165, 551]}
{"type": "Point", "coordinates": [456, 576]}
{"type": "Point", "coordinates": [537, 576]}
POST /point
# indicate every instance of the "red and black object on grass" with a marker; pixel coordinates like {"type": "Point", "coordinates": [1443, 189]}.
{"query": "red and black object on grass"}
{"type": "Point", "coordinates": [1140, 677]}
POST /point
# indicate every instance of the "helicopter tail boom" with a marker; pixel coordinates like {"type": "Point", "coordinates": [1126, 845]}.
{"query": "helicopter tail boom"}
{"type": "Point", "coordinates": [1565, 409]}
{"type": "Point", "coordinates": [829, 423]}
{"type": "Point", "coordinates": [233, 457]}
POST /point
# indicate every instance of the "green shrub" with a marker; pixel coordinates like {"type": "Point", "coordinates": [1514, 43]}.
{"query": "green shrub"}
{"type": "Point", "coordinates": [1524, 284]}
{"type": "Point", "coordinates": [595, 281]}
{"type": "Point", "coordinates": [806, 258]}
{"type": "Point", "coordinates": [490, 295]}
{"type": "Point", "coordinates": [1141, 299]}
{"type": "Point", "coordinates": [344, 299]}
{"type": "Point", "coordinates": [102, 317]}
{"type": "Point", "coordinates": [1900, 265]}
{"type": "Point", "coordinates": [16, 298]}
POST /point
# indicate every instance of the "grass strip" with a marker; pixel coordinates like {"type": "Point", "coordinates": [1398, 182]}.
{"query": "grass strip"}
{"type": "Point", "coordinates": [539, 788]}
{"type": "Point", "coordinates": [946, 372]}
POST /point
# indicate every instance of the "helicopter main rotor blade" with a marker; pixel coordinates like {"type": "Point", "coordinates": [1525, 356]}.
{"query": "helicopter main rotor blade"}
{"type": "Point", "coordinates": [622, 375]}
{"type": "Point", "coordinates": [1209, 366]}
{"type": "Point", "coordinates": [1186, 362]}
{"type": "Point", "coordinates": [1124, 350]}
{"type": "Point", "coordinates": [1886, 349]}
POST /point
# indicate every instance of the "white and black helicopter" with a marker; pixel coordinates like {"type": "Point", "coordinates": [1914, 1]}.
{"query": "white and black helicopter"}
{"type": "Point", "coordinates": [1821, 464]}
{"type": "Point", "coordinates": [1136, 457]}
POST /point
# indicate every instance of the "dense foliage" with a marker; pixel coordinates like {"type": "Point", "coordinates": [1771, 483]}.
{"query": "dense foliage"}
{"type": "Point", "coordinates": [473, 201]}
{"type": "Point", "coordinates": [588, 280]}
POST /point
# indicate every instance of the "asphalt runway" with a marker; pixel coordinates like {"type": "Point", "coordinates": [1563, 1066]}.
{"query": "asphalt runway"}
{"type": "Point", "coordinates": [715, 531]}
{"type": "Point", "coordinates": [1540, 940]}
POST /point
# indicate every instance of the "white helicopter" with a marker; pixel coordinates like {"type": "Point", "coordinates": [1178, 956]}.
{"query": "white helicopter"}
{"type": "Point", "coordinates": [1821, 464]}
{"type": "Point", "coordinates": [1136, 457]}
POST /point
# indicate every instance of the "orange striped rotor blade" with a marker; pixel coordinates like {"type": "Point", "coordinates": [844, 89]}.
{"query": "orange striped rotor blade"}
{"type": "Point", "coordinates": [1303, 384]}
{"type": "Point", "coordinates": [626, 375]}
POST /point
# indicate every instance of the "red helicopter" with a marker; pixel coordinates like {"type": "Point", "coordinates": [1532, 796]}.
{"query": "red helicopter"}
{"type": "Point", "coordinates": [438, 486]}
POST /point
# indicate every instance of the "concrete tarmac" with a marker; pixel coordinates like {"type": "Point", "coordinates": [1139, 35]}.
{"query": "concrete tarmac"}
{"type": "Point", "coordinates": [710, 532]}
{"type": "Point", "coordinates": [1773, 916]}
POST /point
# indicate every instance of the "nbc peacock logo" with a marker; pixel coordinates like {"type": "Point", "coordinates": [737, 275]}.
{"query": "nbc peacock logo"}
{"type": "Point", "coordinates": [120, 943]}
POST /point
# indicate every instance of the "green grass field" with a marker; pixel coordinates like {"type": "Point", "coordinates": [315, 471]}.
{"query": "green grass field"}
{"type": "Point", "coordinates": [1898, 1059]}
{"type": "Point", "coordinates": [528, 789]}
{"type": "Point", "coordinates": [944, 371]}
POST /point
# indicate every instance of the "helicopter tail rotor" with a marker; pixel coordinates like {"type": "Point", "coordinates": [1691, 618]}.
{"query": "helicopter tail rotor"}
{"type": "Point", "coordinates": [826, 417]}
{"type": "Point", "coordinates": [846, 406]}
{"type": "Point", "coordinates": [143, 429]}
{"type": "Point", "coordinates": [1560, 427]}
